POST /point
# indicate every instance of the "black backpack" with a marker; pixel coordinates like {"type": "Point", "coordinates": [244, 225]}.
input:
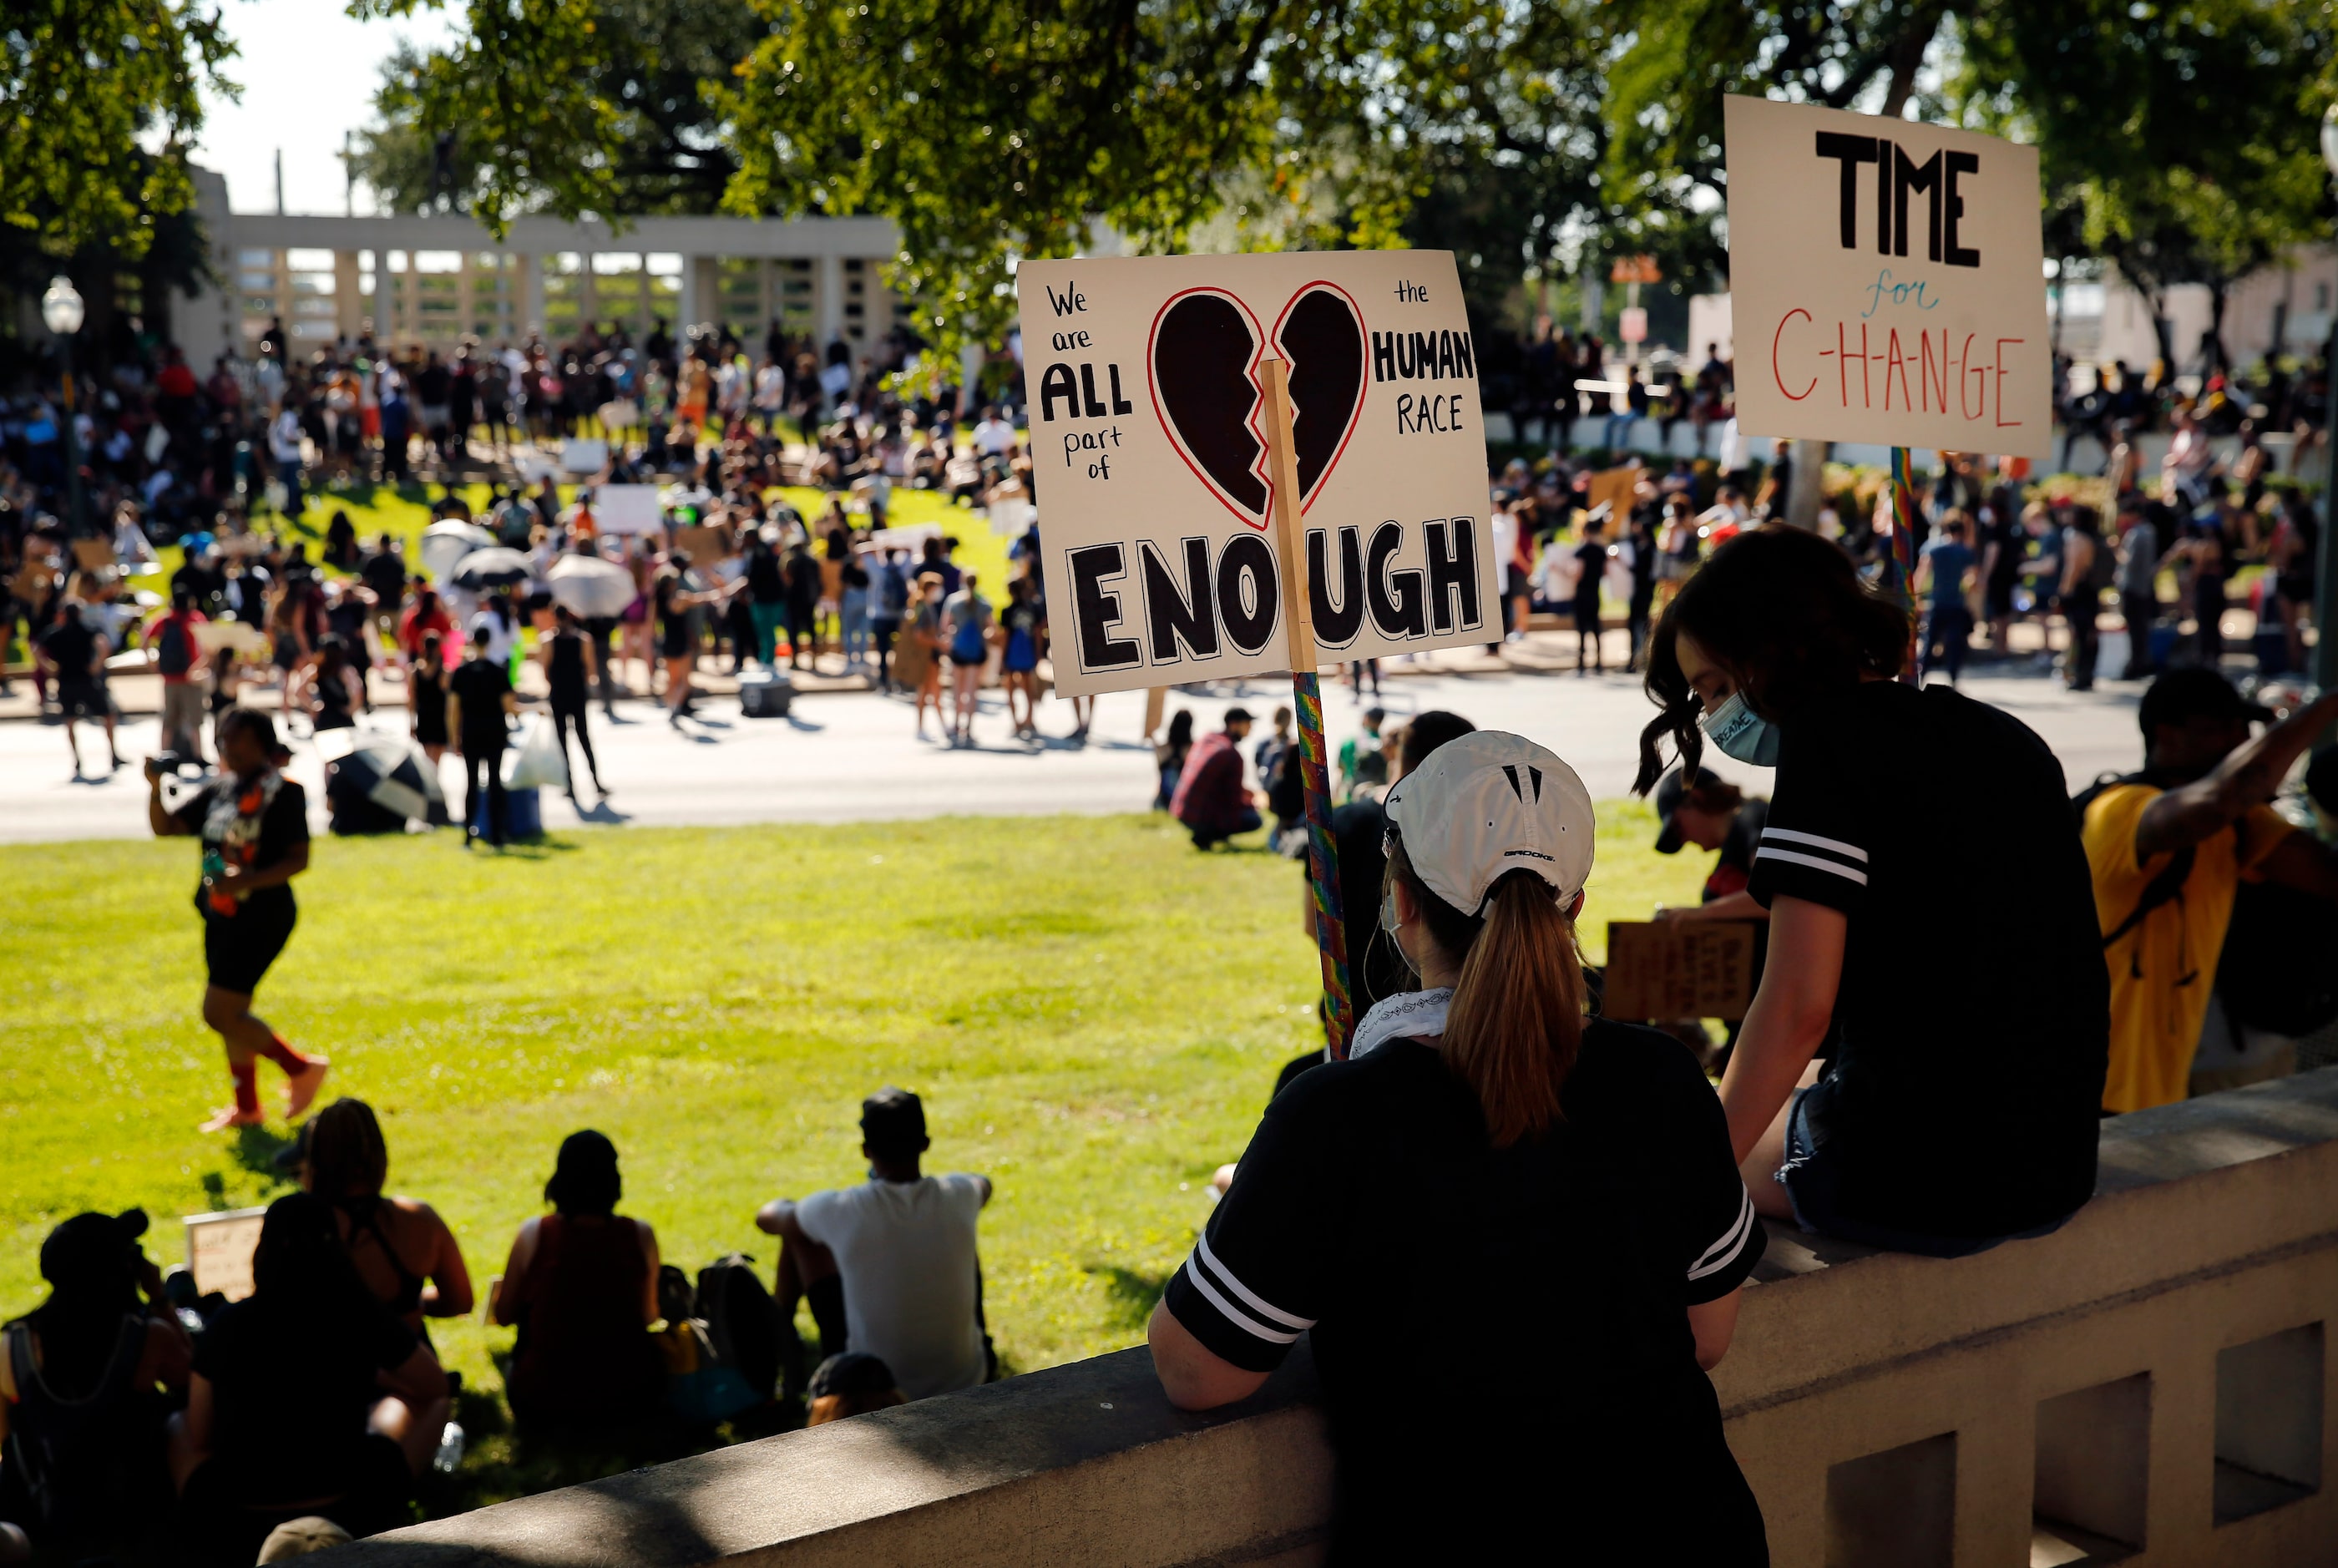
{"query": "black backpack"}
{"type": "Point", "coordinates": [742, 1322]}
{"type": "Point", "coordinates": [2279, 971]}
{"type": "Point", "coordinates": [174, 650]}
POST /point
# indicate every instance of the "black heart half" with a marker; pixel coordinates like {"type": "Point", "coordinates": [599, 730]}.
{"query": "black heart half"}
{"type": "Point", "coordinates": [1202, 361]}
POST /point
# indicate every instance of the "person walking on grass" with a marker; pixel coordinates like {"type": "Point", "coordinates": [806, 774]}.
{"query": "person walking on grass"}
{"type": "Point", "coordinates": [254, 826]}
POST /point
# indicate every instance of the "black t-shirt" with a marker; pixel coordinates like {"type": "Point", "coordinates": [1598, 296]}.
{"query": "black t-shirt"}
{"type": "Point", "coordinates": [1964, 1093]}
{"type": "Point", "coordinates": [292, 1387]}
{"type": "Point", "coordinates": [241, 822]}
{"type": "Point", "coordinates": [385, 573]}
{"type": "Point", "coordinates": [72, 647]}
{"type": "Point", "coordinates": [479, 684]}
{"type": "Point", "coordinates": [566, 676]}
{"type": "Point", "coordinates": [766, 584]}
{"type": "Point", "coordinates": [1535, 1371]}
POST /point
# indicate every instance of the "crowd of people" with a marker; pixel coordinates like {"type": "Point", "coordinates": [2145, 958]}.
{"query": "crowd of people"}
{"type": "Point", "coordinates": [138, 1414]}
{"type": "Point", "coordinates": [1485, 1099]}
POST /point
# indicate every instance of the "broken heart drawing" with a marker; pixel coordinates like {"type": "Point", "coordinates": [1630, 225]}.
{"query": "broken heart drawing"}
{"type": "Point", "coordinates": [1202, 358]}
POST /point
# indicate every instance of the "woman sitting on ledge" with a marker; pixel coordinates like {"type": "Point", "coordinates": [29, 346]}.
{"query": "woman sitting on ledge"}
{"type": "Point", "coordinates": [1963, 1111]}
{"type": "Point", "coordinates": [1535, 1216]}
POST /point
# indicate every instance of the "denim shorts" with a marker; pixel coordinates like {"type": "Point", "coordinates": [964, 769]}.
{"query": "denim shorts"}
{"type": "Point", "coordinates": [1813, 1181]}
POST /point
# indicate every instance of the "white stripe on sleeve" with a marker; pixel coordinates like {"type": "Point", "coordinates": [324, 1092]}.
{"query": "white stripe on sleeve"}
{"type": "Point", "coordinates": [1724, 1252]}
{"type": "Point", "coordinates": [1250, 1297]}
{"type": "Point", "coordinates": [1844, 871]}
{"type": "Point", "coordinates": [1787, 834]}
{"type": "Point", "coordinates": [1232, 1313]}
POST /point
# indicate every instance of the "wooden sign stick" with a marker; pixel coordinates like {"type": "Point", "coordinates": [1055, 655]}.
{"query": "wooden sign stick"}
{"type": "Point", "coordinates": [1306, 697]}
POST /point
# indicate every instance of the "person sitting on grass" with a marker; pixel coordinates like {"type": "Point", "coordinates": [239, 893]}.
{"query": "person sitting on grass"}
{"type": "Point", "coordinates": [280, 1416]}
{"type": "Point", "coordinates": [80, 1413]}
{"type": "Point", "coordinates": [405, 1253]}
{"type": "Point", "coordinates": [581, 1285]}
{"type": "Point", "coordinates": [891, 1266]}
{"type": "Point", "coordinates": [1211, 800]}
{"type": "Point", "coordinates": [852, 1383]}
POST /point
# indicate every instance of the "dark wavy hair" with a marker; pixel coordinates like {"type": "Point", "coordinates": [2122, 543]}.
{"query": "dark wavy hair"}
{"type": "Point", "coordinates": [1785, 613]}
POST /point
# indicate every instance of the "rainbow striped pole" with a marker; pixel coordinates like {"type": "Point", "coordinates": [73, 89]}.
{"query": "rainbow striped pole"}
{"type": "Point", "coordinates": [1902, 585]}
{"type": "Point", "coordinates": [1307, 696]}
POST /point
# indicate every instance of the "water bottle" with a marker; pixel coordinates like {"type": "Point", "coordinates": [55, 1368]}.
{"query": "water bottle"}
{"type": "Point", "coordinates": [449, 1458]}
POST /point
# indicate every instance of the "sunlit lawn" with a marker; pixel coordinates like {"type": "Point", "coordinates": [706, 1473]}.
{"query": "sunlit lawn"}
{"type": "Point", "coordinates": [1093, 1012]}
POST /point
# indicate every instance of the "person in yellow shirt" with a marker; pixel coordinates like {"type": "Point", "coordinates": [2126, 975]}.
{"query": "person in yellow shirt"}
{"type": "Point", "coordinates": [2168, 847]}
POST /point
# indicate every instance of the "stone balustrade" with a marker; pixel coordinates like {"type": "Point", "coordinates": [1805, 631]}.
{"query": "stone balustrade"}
{"type": "Point", "coordinates": [2149, 1384]}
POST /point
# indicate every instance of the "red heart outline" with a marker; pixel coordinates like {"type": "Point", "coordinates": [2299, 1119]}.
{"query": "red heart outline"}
{"type": "Point", "coordinates": [1260, 342]}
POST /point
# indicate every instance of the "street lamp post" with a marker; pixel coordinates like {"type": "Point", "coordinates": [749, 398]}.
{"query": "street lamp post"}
{"type": "Point", "coordinates": [2326, 579]}
{"type": "Point", "coordinates": [62, 312]}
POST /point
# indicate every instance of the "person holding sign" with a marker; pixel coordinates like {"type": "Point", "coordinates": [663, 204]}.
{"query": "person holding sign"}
{"type": "Point", "coordinates": [1895, 809]}
{"type": "Point", "coordinates": [1572, 1177]}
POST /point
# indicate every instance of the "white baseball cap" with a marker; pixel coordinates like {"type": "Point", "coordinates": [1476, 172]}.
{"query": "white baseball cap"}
{"type": "Point", "coordinates": [1488, 803]}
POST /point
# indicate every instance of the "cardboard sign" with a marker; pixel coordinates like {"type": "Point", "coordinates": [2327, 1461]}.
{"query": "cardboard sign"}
{"type": "Point", "coordinates": [1147, 440]}
{"type": "Point", "coordinates": [626, 509]}
{"type": "Point", "coordinates": [1613, 487]}
{"type": "Point", "coordinates": [1886, 281]}
{"type": "Point", "coordinates": [706, 546]}
{"type": "Point", "coordinates": [1665, 969]}
{"type": "Point", "coordinates": [219, 1249]}
{"type": "Point", "coordinates": [93, 555]}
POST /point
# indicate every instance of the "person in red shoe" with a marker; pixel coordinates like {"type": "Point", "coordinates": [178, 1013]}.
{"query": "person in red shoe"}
{"type": "Point", "coordinates": [254, 826]}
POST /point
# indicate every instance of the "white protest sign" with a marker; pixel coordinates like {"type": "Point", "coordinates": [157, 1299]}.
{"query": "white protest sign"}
{"type": "Point", "coordinates": [1150, 469]}
{"type": "Point", "coordinates": [626, 509]}
{"type": "Point", "coordinates": [219, 1248]}
{"type": "Point", "coordinates": [1886, 281]}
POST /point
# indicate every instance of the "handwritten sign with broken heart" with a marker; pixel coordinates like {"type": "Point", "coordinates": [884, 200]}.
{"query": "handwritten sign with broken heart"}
{"type": "Point", "coordinates": [1148, 439]}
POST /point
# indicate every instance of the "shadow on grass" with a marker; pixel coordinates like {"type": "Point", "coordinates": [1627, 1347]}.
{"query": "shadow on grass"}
{"type": "Point", "coordinates": [503, 1461]}
{"type": "Point", "coordinates": [1129, 1294]}
{"type": "Point", "coordinates": [256, 1148]}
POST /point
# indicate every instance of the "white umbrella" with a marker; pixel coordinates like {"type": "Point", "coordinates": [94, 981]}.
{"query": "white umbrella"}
{"type": "Point", "coordinates": [591, 586]}
{"type": "Point", "coordinates": [444, 544]}
{"type": "Point", "coordinates": [492, 567]}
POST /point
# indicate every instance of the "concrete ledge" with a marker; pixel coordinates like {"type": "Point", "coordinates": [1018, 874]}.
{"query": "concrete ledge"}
{"type": "Point", "coordinates": [1080, 1464]}
{"type": "Point", "coordinates": [2209, 1253]}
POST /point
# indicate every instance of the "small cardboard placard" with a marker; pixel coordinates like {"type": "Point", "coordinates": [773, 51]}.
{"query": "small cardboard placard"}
{"type": "Point", "coordinates": [93, 555]}
{"type": "Point", "coordinates": [1615, 486]}
{"type": "Point", "coordinates": [1664, 969]}
{"type": "Point", "coordinates": [626, 508]}
{"type": "Point", "coordinates": [706, 546]}
{"type": "Point", "coordinates": [219, 1249]}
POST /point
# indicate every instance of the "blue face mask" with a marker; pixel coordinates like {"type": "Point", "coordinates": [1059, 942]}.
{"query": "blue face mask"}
{"type": "Point", "coordinates": [1741, 733]}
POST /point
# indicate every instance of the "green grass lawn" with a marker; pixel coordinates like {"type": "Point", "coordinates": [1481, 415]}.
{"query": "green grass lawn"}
{"type": "Point", "coordinates": [1093, 1012]}
{"type": "Point", "coordinates": [403, 513]}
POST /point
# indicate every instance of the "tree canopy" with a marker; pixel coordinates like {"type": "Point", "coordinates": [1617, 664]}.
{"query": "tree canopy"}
{"type": "Point", "coordinates": [98, 100]}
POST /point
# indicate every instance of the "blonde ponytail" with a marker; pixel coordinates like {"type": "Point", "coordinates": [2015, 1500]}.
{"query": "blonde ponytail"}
{"type": "Point", "coordinates": [1516, 1020]}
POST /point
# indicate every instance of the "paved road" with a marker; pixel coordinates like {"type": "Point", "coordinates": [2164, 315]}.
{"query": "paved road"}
{"type": "Point", "coordinates": [843, 756]}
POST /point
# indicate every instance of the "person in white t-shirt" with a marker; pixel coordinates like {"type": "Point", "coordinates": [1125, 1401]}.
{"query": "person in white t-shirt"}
{"type": "Point", "coordinates": [900, 1252]}
{"type": "Point", "coordinates": [993, 436]}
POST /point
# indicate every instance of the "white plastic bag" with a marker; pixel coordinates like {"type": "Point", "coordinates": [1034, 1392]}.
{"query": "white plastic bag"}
{"type": "Point", "coordinates": [536, 762]}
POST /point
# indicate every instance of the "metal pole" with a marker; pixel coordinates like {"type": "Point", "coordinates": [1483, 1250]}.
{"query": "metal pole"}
{"type": "Point", "coordinates": [77, 524]}
{"type": "Point", "coordinates": [2325, 575]}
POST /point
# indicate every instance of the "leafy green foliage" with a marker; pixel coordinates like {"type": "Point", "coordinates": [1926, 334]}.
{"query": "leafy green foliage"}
{"type": "Point", "coordinates": [2176, 140]}
{"type": "Point", "coordinates": [98, 102]}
